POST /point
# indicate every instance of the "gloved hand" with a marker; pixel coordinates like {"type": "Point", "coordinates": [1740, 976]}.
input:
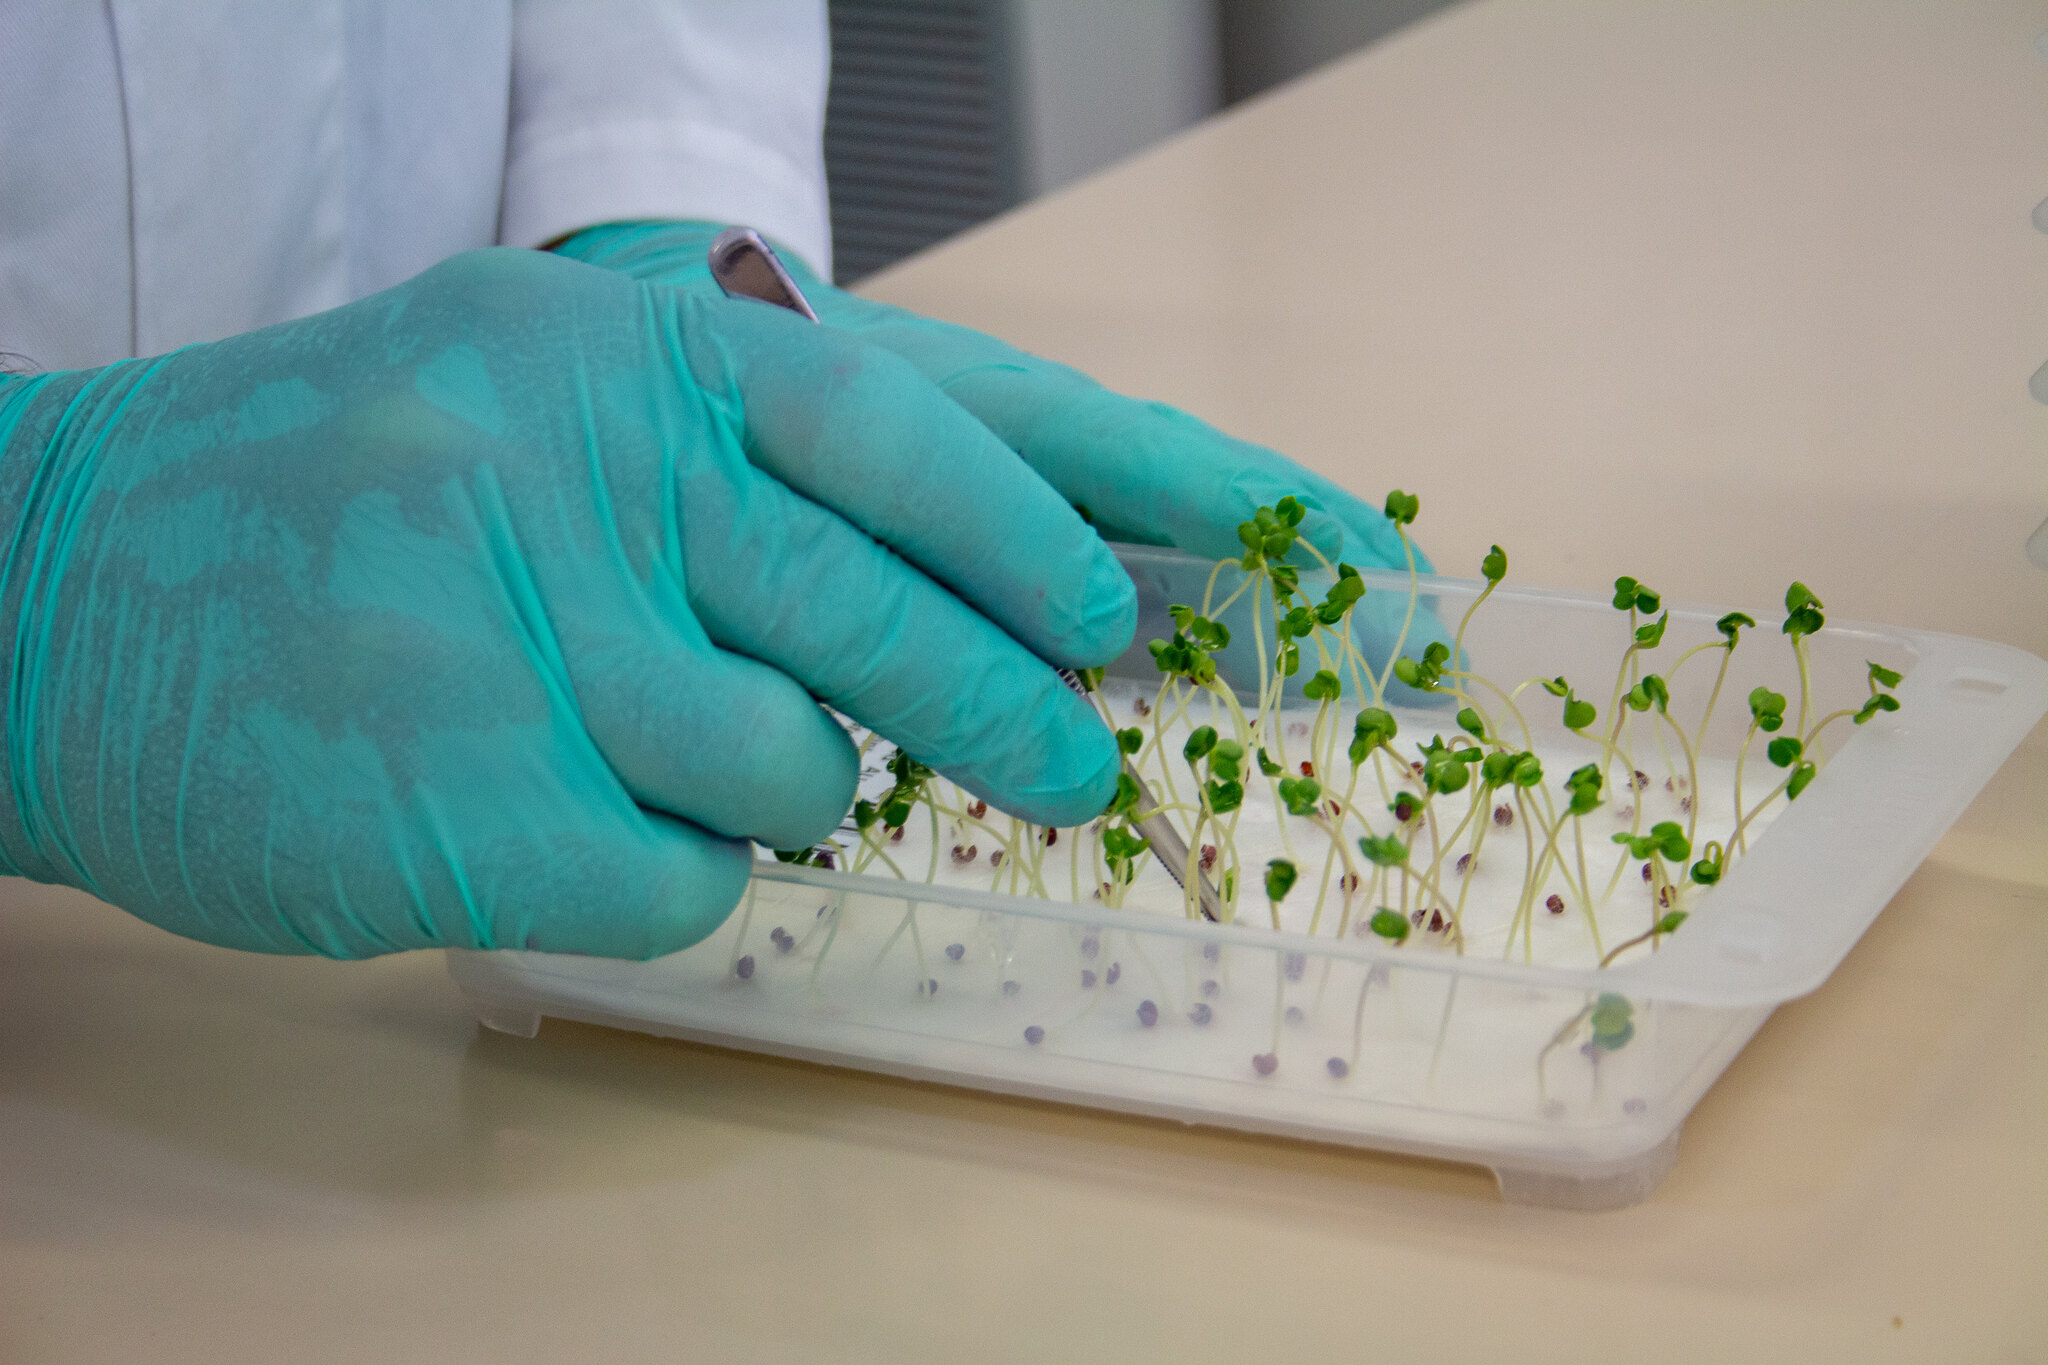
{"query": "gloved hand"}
{"type": "Point", "coordinates": [1145, 472]}
{"type": "Point", "coordinates": [489, 611]}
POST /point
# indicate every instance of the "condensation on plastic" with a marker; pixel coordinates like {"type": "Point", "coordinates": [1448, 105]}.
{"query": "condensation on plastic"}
{"type": "Point", "coordinates": [1465, 1058]}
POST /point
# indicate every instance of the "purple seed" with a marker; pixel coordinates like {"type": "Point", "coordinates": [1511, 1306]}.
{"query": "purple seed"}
{"type": "Point", "coordinates": [956, 951]}
{"type": "Point", "coordinates": [1436, 921]}
{"type": "Point", "coordinates": [1148, 1013]}
{"type": "Point", "coordinates": [1087, 979]}
{"type": "Point", "coordinates": [1034, 1035]}
{"type": "Point", "coordinates": [1265, 1063]}
{"type": "Point", "coordinates": [1011, 987]}
{"type": "Point", "coordinates": [1416, 916]}
{"type": "Point", "coordinates": [1295, 965]}
{"type": "Point", "coordinates": [1116, 969]}
{"type": "Point", "coordinates": [1503, 815]}
{"type": "Point", "coordinates": [1464, 863]}
{"type": "Point", "coordinates": [1646, 872]}
{"type": "Point", "coordinates": [1201, 1014]}
{"type": "Point", "coordinates": [825, 860]}
{"type": "Point", "coordinates": [1338, 1067]}
{"type": "Point", "coordinates": [931, 986]}
{"type": "Point", "coordinates": [1210, 987]}
{"type": "Point", "coordinates": [1642, 779]}
{"type": "Point", "coordinates": [1090, 946]}
{"type": "Point", "coordinates": [1294, 1014]}
{"type": "Point", "coordinates": [744, 967]}
{"type": "Point", "coordinates": [1555, 905]}
{"type": "Point", "coordinates": [995, 859]}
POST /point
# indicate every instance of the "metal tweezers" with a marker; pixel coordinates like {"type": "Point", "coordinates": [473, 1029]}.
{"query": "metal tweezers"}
{"type": "Point", "coordinates": [745, 266]}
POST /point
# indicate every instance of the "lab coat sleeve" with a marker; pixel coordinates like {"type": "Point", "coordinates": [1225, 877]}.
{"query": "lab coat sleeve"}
{"type": "Point", "coordinates": [634, 109]}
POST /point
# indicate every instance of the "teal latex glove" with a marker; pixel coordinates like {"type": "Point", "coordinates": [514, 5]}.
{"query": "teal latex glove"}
{"type": "Point", "coordinates": [489, 611]}
{"type": "Point", "coordinates": [1145, 472]}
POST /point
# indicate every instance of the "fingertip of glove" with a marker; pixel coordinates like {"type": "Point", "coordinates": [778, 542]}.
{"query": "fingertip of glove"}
{"type": "Point", "coordinates": [1109, 618]}
{"type": "Point", "coordinates": [1096, 760]}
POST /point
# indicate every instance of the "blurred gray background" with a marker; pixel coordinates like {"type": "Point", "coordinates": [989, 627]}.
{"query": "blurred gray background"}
{"type": "Point", "coordinates": [946, 112]}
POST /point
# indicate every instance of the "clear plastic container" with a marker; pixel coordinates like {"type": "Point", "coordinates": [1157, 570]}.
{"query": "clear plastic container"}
{"type": "Point", "coordinates": [1475, 1057]}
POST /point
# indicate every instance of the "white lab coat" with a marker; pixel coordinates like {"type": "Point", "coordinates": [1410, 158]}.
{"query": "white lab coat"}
{"type": "Point", "coordinates": [175, 171]}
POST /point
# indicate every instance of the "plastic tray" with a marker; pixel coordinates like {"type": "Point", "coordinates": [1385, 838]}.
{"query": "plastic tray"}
{"type": "Point", "coordinates": [1470, 1058]}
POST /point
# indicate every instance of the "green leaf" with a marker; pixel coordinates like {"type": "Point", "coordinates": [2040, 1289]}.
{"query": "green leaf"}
{"type": "Point", "coordinates": [1579, 714]}
{"type": "Point", "coordinates": [1324, 686]}
{"type": "Point", "coordinates": [1402, 507]}
{"type": "Point", "coordinates": [1706, 871]}
{"type": "Point", "coordinates": [1557, 687]}
{"type": "Point", "coordinates": [1390, 925]}
{"type": "Point", "coordinates": [1669, 838]}
{"type": "Point", "coordinates": [1653, 687]}
{"type": "Point", "coordinates": [1127, 795]}
{"type": "Point", "coordinates": [1267, 765]}
{"type": "Point", "coordinates": [1469, 722]}
{"type": "Point", "coordinates": [1383, 850]}
{"type": "Point", "coordinates": [1227, 766]}
{"type": "Point", "coordinates": [1613, 1022]}
{"type": "Point", "coordinates": [1651, 635]}
{"type": "Point", "coordinates": [895, 813]}
{"type": "Point", "coordinates": [1879, 701]}
{"type": "Point", "coordinates": [1224, 797]}
{"type": "Point", "coordinates": [1881, 676]}
{"type": "Point", "coordinates": [1495, 565]}
{"type": "Point", "coordinates": [1130, 740]}
{"type": "Point", "coordinates": [1784, 751]}
{"type": "Point", "coordinates": [1300, 794]}
{"type": "Point", "coordinates": [1528, 770]}
{"type": "Point", "coordinates": [1733, 624]}
{"type": "Point", "coordinates": [1801, 776]}
{"type": "Point", "coordinates": [1375, 726]}
{"type": "Point", "coordinates": [1671, 922]}
{"type": "Point", "coordinates": [1199, 744]}
{"type": "Point", "coordinates": [1280, 875]}
{"type": "Point", "coordinates": [1625, 593]}
{"type": "Point", "coordinates": [1290, 510]}
{"type": "Point", "coordinates": [865, 814]}
{"type": "Point", "coordinates": [1767, 707]}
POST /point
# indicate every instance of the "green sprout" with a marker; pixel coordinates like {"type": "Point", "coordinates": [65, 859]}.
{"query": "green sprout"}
{"type": "Point", "coordinates": [1280, 876]}
{"type": "Point", "coordinates": [1767, 708]}
{"type": "Point", "coordinates": [1402, 508]}
{"type": "Point", "coordinates": [1390, 925]}
{"type": "Point", "coordinates": [1666, 838]}
{"type": "Point", "coordinates": [1385, 850]}
{"type": "Point", "coordinates": [1300, 794]}
{"type": "Point", "coordinates": [1323, 686]}
{"type": "Point", "coordinates": [1802, 611]}
{"type": "Point", "coordinates": [1423, 674]}
{"type": "Point", "coordinates": [1651, 691]}
{"type": "Point", "coordinates": [1613, 1021]}
{"type": "Point", "coordinates": [1130, 740]}
{"type": "Point", "coordinates": [1630, 595]}
{"type": "Point", "coordinates": [1495, 566]}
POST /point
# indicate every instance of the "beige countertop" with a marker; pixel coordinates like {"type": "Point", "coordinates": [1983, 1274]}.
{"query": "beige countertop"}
{"type": "Point", "coordinates": [1713, 293]}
